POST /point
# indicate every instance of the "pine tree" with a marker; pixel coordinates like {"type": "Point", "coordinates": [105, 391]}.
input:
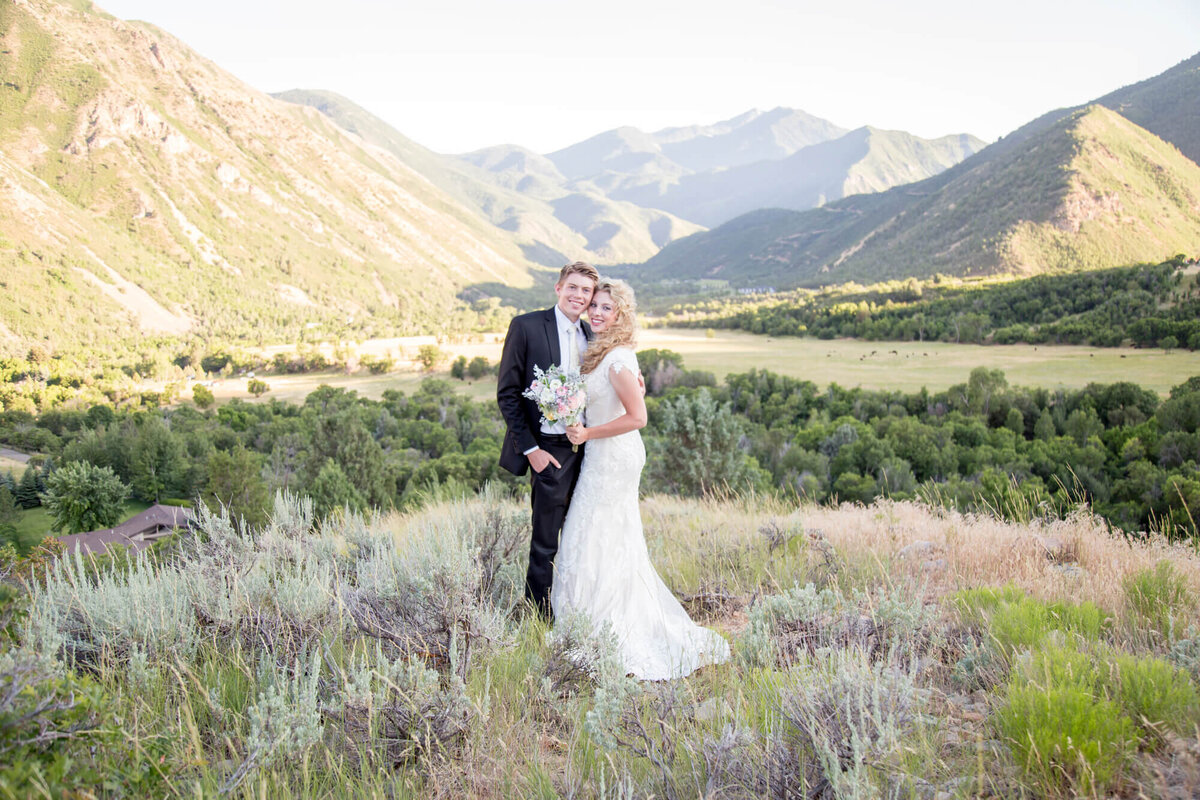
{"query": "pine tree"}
{"type": "Point", "coordinates": [9, 515]}
{"type": "Point", "coordinates": [46, 471]}
{"type": "Point", "coordinates": [27, 490]}
{"type": "Point", "coordinates": [1044, 427]}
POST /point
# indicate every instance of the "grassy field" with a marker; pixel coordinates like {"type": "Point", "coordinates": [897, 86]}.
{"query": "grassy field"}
{"type": "Point", "coordinates": [847, 362]}
{"type": "Point", "coordinates": [937, 365]}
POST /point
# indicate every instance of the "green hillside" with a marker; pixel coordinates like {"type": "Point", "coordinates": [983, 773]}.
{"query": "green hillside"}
{"type": "Point", "coordinates": [145, 192]}
{"type": "Point", "coordinates": [530, 207]}
{"type": "Point", "coordinates": [1091, 190]}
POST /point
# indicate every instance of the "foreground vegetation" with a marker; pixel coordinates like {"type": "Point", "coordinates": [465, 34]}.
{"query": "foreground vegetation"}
{"type": "Point", "coordinates": [885, 651]}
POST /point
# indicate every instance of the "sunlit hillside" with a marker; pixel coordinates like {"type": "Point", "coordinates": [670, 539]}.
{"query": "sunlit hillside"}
{"type": "Point", "coordinates": [145, 191]}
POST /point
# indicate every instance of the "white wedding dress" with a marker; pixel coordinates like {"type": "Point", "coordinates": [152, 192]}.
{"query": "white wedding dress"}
{"type": "Point", "coordinates": [603, 568]}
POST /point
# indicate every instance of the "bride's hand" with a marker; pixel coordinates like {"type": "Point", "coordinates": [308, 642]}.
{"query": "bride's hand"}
{"type": "Point", "coordinates": [577, 434]}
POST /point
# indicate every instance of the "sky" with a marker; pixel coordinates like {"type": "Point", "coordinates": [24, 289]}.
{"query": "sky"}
{"type": "Point", "coordinates": [459, 75]}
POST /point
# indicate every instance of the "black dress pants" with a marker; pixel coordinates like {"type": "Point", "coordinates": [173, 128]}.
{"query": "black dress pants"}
{"type": "Point", "coordinates": [550, 497]}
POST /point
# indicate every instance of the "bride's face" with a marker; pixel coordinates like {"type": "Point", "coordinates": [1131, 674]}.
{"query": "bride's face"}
{"type": "Point", "coordinates": [602, 312]}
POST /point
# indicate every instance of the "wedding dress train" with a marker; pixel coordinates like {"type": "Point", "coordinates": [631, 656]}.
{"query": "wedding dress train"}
{"type": "Point", "coordinates": [603, 568]}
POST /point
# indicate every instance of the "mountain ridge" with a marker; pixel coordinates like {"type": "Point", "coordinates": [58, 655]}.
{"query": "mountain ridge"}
{"type": "Point", "coordinates": [1059, 199]}
{"type": "Point", "coordinates": [518, 191]}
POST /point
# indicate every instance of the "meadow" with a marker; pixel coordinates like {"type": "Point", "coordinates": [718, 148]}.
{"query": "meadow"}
{"type": "Point", "coordinates": [902, 366]}
{"type": "Point", "coordinates": [892, 650]}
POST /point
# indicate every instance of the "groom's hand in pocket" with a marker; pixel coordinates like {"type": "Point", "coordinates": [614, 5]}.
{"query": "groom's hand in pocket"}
{"type": "Point", "coordinates": [538, 459]}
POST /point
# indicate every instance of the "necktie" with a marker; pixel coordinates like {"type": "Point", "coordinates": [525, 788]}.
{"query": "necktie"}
{"type": "Point", "coordinates": [572, 350]}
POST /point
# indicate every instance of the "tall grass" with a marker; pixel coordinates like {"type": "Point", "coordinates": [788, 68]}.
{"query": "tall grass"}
{"type": "Point", "coordinates": [391, 657]}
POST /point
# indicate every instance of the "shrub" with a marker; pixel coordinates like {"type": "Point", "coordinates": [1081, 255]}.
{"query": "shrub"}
{"type": "Point", "coordinates": [425, 597]}
{"type": "Point", "coordinates": [851, 715]}
{"type": "Point", "coordinates": [132, 607]}
{"type": "Point", "coordinates": [202, 396]}
{"type": "Point", "coordinates": [429, 356]}
{"type": "Point", "coordinates": [1159, 598]}
{"type": "Point", "coordinates": [577, 656]}
{"type": "Point", "coordinates": [703, 454]}
{"type": "Point", "coordinates": [784, 627]}
{"type": "Point", "coordinates": [1017, 622]}
{"type": "Point", "coordinates": [478, 368]}
{"type": "Point", "coordinates": [398, 708]}
{"type": "Point", "coordinates": [285, 721]}
{"type": "Point", "coordinates": [1063, 737]}
{"type": "Point", "coordinates": [1157, 695]}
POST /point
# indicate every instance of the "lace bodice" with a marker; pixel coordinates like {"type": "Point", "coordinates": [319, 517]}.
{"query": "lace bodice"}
{"type": "Point", "coordinates": [614, 454]}
{"type": "Point", "coordinates": [603, 405]}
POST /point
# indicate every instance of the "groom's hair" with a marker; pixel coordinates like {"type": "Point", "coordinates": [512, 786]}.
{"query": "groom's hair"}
{"type": "Point", "coordinates": [579, 268]}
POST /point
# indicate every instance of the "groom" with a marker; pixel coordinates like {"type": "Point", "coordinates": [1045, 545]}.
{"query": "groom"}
{"type": "Point", "coordinates": [542, 338]}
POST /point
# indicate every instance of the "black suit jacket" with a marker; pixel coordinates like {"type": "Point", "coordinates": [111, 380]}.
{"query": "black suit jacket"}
{"type": "Point", "coordinates": [532, 340]}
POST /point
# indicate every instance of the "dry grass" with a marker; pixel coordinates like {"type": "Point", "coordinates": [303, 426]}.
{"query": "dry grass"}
{"type": "Point", "coordinates": [727, 560]}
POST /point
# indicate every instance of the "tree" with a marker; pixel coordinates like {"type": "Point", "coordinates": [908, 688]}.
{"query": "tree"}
{"type": "Point", "coordinates": [1015, 421]}
{"type": "Point", "coordinates": [83, 497]}
{"type": "Point", "coordinates": [10, 515]}
{"type": "Point", "coordinates": [1044, 428]}
{"type": "Point", "coordinates": [214, 362]}
{"type": "Point", "coordinates": [699, 451]}
{"type": "Point", "coordinates": [429, 356]}
{"type": "Point", "coordinates": [235, 482]}
{"type": "Point", "coordinates": [1168, 343]}
{"type": "Point", "coordinates": [202, 396]}
{"type": "Point", "coordinates": [477, 368]}
{"type": "Point", "coordinates": [27, 490]}
{"type": "Point", "coordinates": [158, 461]}
{"type": "Point", "coordinates": [256, 387]}
{"type": "Point", "coordinates": [459, 368]}
{"type": "Point", "coordinates": [332, 489]}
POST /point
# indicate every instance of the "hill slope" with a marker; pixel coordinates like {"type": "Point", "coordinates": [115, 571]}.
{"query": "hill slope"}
{"type": "Point", "coordinates": [841, 240]}
{"type": "Point", "coordinates": [1089, 191]}
{"type": "Point", "coordinates": [528, 207]}
{"type": "Point", "coordinates": [143, 189]}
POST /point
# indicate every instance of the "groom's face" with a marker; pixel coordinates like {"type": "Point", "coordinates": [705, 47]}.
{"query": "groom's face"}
{"type": "Point", "coordinates": [574, 294]}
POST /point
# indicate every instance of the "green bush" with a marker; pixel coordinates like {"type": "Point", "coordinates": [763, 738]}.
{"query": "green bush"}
{"type": "Point", "coordinates": [1155, 693]}
{"type": "Point", "coordinates": [1018, 622]}
{"type": "Point", "coordinates": [1063, 737]}
{"type": "Point", "coordinates": [1159, 598]}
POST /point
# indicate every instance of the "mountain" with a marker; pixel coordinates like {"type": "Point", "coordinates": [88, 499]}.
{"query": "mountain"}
{"type": "Point", "coordinates": [1089, 190]}
{"type": "Point", "coordinates": [744, 139]}
{"type": "Point", "coordinates": [708, 174]}
{"type": "Point", "coordinates": [860, 161]}
{"type": "Point", "coordinates": [517, 191]}
{"type": "Point", "coordinates": [145, 191]}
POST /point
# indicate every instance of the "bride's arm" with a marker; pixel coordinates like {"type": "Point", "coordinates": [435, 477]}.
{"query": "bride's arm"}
{"type": "Point", "coordinates": [625, 382]}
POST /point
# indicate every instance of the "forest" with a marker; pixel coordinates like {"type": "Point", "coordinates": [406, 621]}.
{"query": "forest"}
{"type": "Point", "coordinates": [1145, 306]}
{"type": "Point", "coordinates": [982, 445]}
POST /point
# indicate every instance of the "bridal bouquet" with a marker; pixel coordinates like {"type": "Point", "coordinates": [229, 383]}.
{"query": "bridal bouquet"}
{"type": "Point", "coordinates": [560, 395]}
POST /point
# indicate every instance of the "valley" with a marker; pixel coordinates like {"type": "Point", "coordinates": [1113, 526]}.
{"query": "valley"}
{"type": "Point", "coordinates": [901, 366]}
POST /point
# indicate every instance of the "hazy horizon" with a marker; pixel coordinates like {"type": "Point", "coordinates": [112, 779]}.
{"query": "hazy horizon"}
{"type": "Point", "coordinates": [542, 74]}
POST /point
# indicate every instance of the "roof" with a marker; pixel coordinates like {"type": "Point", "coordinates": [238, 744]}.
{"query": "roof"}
{"type": "Point", "coordinates": [136, 533]}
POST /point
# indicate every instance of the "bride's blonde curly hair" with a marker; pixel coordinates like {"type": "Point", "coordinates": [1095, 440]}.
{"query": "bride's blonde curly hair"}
{"type": "Point", "coordinates": [621, 332]}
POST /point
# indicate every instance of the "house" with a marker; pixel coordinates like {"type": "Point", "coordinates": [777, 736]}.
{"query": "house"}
{"type": "Point", "coordinates": [136, 533]}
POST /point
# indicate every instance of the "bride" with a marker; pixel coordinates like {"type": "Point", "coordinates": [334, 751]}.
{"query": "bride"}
{"type": "Point", "coordinates": [604, 568]}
